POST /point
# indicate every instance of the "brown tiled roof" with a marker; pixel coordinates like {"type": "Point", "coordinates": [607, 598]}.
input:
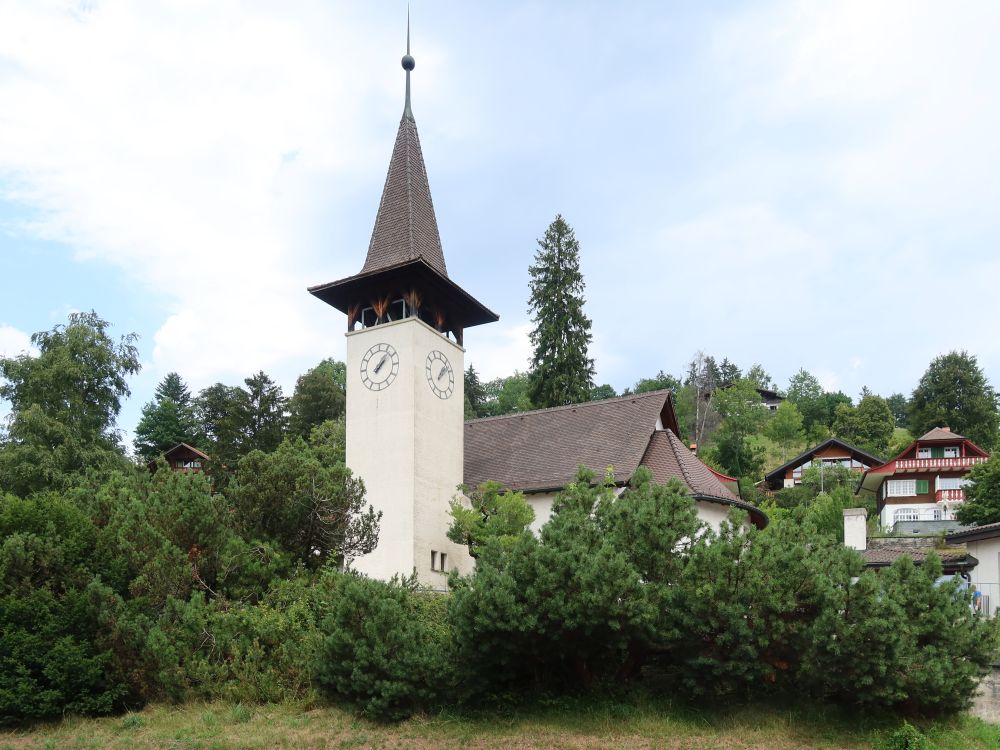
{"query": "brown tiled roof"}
{"type": "Point", "coordinates": [541, 450]}
{"type": "Point", "coordinates": [405, 225]}
{"type": "Point", "coordinates": [667, 457]}
{"type": "Point", "coordinates": [939, 433]}
{"type": "Point", "coordinates": [975, 533]}
{"type": "Point", "coordinates": [886, 555]}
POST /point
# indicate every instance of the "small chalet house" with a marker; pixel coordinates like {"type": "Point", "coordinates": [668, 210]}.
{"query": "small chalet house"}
{"type": "Point", "coordinates": [830, 452]}
{"type": "Point", "coordinates": [183, 457]}
{"type": "Point", "coordinates": [925, 482]}
{"type": "Point", "coordinates": [538, 452]}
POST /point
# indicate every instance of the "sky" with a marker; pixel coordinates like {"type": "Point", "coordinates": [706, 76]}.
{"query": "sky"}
{"type": "Point", "coordinates": [803, 185]}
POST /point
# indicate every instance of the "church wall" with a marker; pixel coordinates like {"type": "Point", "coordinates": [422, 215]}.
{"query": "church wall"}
{"type": "Point", "coordinates": [712, 514]}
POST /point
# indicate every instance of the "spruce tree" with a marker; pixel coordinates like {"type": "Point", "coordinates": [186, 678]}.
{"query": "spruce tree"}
{"type": "Point", "coordinates": [166, 420]}
{"type": "Point", "coordinates": [561, 371]}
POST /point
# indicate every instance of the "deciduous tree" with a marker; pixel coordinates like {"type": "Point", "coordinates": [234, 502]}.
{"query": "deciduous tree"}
{"type": "Point", "coordinates": [869, 425]}
{"type": "Point", "coordinates": [785, 427]}
{"type": "Point", "coordinates": [982, 504]}
{"type": "Point", "coordinates": [954, 392]}
{"type": "Point", "coordinates": [64, 403]}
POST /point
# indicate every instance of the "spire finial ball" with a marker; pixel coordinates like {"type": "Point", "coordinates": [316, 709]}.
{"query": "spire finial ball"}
{"type": "Point", "coordinates": [408, 62]}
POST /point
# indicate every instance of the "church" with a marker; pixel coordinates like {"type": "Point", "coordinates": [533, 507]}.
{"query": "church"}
{"type": "Point", "coordinates": [406, 433]}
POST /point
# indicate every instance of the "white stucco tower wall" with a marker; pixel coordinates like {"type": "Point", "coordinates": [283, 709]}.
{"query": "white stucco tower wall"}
{"type": "Point", "coordinates": [405, 441]}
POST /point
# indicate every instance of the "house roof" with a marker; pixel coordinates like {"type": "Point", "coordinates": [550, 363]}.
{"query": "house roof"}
{"type": "Point", "coordinates": [184, 446]}
{"type": "Point", "coordinates": [951, 558]}
{"type": "Point", "coordinates": [668, 458]}
{"type": "Point", "coordinates": [871, 480]}
{"type": "Point", "coordinates": [855, 452]}
{"type": "Point", "coordinates": [986, 531]}
{"type": "Point", "coordinates": [940, 433]}
{"type": "Point", "coordinates": [538, 451]}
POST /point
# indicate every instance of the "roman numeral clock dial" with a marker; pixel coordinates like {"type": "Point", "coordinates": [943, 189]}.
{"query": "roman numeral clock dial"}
{"type": "Point", "coordinates": [440, 376]}
{"type": "Point", "coordinates": [379, 367]}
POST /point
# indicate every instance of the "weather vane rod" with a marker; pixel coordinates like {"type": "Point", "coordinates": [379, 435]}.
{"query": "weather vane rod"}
{"type": "Point", "coordinates": [408, 64]}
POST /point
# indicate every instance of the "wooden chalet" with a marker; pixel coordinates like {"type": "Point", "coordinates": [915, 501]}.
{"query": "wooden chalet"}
{"type": "Point", "coordinates": [925, 482]}
{"type": "Point", "coordinates": [832, 452]}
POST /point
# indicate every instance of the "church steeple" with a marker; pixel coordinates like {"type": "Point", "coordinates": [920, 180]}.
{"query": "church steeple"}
{"type": "Point", "coordinates": [405, 225]}
{"type": "Point", "coordinates": [404, 274]}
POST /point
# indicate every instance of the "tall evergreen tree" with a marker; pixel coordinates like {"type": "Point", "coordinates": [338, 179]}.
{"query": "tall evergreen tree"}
{"type": "Point", "coordinates": [166, 420]}
{"type": "Point", "coordinates": [263, 413]}
{"type": "Point", "coordinates": [561, 371]}
{"type": "Point", "coordinates": [954, 393]}
{"type": "Point", "coordinates": [475, 394]}
{"type": "Point", "coordinates": [218, 416]}
{"type": "Point", "coordinates": [318, 397]}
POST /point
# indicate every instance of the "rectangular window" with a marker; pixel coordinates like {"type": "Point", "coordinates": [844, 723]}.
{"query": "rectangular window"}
{"type": "Point", "coordinates": [905, 514]}
{"type": "Point", "coordinates": [444, 562]}
{"type": "Point", "coordinates": [901, 488]}
{"type": "Point", "coordinates": [951, 452]}
{"type": "Point", "coordinates": [923, 486]}
{"type": "Point", "coordinates": [434, 560]}
{"type": "Point", "coordinates": [951, 483]}
{"type": "Point", "coordinates": [924, 453]}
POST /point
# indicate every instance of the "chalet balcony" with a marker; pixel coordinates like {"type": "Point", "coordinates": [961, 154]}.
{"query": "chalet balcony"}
{"type": "Point", "coordinates": [938, 464]}
{"type": "Point", "coordinates": [949, 496]}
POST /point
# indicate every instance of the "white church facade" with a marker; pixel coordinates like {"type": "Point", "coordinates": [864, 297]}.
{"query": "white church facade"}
{"type": "Point", "coordinates": [406, 434]}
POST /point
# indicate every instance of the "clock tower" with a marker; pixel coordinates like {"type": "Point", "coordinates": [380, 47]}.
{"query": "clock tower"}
{"type": "Point", "coordinates": [405, 365]}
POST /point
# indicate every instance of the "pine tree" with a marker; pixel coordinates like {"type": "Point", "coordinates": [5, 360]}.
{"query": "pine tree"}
{"type": "Point", "coordinates": [166, 420]}
{"type": "Point", "coordinates": [561, 371]}
{"type": "Point", "coordinates": [318, 397]}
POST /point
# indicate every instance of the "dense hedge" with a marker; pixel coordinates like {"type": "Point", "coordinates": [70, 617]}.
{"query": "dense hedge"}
{"type": "Point", "coordinates": [123, 593]}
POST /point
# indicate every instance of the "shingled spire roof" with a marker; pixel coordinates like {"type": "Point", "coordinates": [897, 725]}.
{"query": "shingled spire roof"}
{"type": "Point", "coordinates": [404, 255]}
{"type": "Point", "coordinates": [405, 226]}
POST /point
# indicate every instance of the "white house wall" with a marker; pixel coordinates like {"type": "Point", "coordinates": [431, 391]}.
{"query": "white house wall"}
{"type": "Point", "coordinates": [986, 575]}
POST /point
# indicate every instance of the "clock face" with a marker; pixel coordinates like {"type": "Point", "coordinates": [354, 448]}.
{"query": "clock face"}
{"type": "Point", "coordinates": [440, 376]}
{"type": "Point", "coordinates": [379, 367]}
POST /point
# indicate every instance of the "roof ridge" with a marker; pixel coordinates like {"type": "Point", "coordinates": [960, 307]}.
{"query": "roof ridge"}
{"type": "Point", "coordinates": [632, 396]}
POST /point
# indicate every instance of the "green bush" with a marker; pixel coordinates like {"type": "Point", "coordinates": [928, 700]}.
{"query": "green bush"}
{"type": "Point", "coordinates": [386, 648]}
{"type": "Point", "coordinates": [50, 660]}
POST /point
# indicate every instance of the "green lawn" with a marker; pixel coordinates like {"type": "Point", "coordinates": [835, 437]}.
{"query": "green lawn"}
{"type": "Point", "coordinates": [642, 724]}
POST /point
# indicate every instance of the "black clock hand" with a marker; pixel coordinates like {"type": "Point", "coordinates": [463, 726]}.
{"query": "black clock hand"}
{"type": "Point", "coordinates": [380, 363]}
{"type": "Point", "coordinates": [441, 374]}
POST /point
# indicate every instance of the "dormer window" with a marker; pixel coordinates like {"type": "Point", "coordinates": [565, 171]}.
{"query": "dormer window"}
{"type": "Point", "coordinates": [938, 451]}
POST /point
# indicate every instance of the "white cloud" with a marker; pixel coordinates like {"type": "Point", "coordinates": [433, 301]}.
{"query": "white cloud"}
{"type": "Point", "coordinates": [499, 349]}
{"type": "Point", "coordinates": [14, 342]}
{"type": "Point", "coordinates": [183, 142]}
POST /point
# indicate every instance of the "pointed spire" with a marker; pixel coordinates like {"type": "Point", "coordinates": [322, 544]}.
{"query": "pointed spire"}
{"type": "Point", "coordinates": [408, 64]}
{"type": "Point", "coordinates": [405, 226]}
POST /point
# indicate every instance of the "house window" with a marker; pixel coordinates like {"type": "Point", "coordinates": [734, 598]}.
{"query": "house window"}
{"type": "Point", "coordinates": [905, 514]}
{"type": "Point", "coordinates": [434, 560]}
{"type": "Point", "coordinates": [951, 452]}
{"type": "Point", "coordinates": [951, 483]}
{"type": "Point", "coordinates": [444, 562]}
{"type": "Point", "coordinates": [924, 453]}
{"type": "Point", "coordinates": [901, 488]}
{"type": "Point", "coordinates": [937, 514]}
